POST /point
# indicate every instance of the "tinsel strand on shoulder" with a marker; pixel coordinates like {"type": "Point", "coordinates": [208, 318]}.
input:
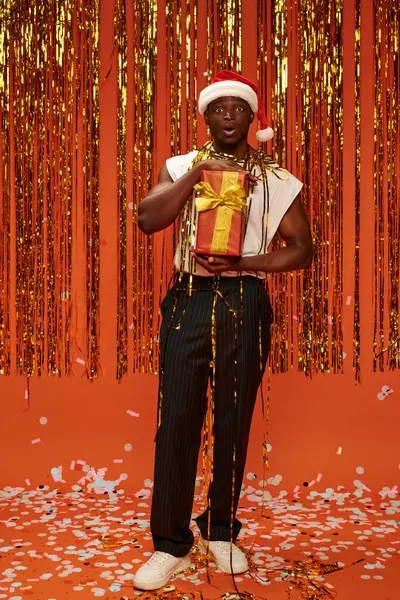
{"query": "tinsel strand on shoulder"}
{"type": "Point", "coordinates": [255, 159]}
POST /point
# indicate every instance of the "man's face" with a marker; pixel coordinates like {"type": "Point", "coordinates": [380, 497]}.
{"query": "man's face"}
{"type": "Point", "coordinates": [229, 120]}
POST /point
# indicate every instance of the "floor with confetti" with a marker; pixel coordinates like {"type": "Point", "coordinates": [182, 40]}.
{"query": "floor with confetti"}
{"type": "Point", "coordinates": [307, 544]}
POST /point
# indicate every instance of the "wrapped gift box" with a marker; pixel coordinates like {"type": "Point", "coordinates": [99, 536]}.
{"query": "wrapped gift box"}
{"type": "Point", "coordinates": [221, 203]}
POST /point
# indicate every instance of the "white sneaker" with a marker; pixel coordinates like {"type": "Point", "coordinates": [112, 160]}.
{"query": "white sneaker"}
{"type": "Point", "coordinates": [158, 570]}
{"type": "Point", "coordinates": [220, 553]}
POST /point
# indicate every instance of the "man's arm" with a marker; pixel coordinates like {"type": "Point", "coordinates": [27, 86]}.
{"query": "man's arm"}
{"type": "Point", "coordinates": [294, 229]}
{"type": "Point", "coordinates": [165, 200]}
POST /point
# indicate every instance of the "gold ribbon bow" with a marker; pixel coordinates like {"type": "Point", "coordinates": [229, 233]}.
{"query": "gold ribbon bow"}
{"type": "Point", "coordinates": [231, 198]}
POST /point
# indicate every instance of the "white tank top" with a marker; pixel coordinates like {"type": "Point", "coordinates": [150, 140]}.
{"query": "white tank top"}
{"type": "Point", "coordinates": [282, 192]}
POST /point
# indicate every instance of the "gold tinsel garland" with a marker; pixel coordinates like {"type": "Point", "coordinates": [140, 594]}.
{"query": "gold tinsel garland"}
{"type": "Point", "coordinates": [141, 74]}
{"type": "Point", "coordinates": [386, 185]}
{"type": "Point", "coordinates": [120, 26]}
{"type": "Point", "coordinates": [280, 281]}
{"type": "Point", "coordinates": [308, 305]}
{"type": "Point", "coordinates": [224, 35]}
{"type": "Point", "coordinates": [174, 47]}
{"type": "Point", "coordinates": [35, 216]}
{"type": "Point", "coordinates": [145, 59]}
{"type": "Point", "coordinates": [49, 208]}
{"type": "Point", "coordinates": [49, 193]}
{"type": "Point", "coordinates": [88, 26]}
{"type": "Point", "coordinates": [5, 191]}
{"type": "Point", "coordinates": [229, 34]}
{"type": "Point", "coordinates": [357, 200]}
{"type": "Point", "coordinates": [191, 73]}
{"type": "Point", "coordinates": [322, 111]}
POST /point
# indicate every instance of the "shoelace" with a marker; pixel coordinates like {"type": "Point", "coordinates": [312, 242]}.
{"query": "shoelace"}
{"type": "Point", "coordinates": [158, 559]}
{"type": "Point", "coordinates": [226, 547]}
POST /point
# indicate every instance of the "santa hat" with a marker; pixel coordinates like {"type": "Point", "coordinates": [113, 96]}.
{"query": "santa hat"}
{"type": "Point", "coordinates": [227, 83]}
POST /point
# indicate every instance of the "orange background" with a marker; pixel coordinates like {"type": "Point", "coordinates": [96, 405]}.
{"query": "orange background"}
{"type": "Point", "coordinates": [334, 451]}
{"type": "Point", "coordinates": [309, 419]}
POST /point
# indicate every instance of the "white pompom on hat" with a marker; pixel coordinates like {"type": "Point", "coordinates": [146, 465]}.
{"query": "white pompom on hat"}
{"type": "Point", "coordinates": [227, 83]}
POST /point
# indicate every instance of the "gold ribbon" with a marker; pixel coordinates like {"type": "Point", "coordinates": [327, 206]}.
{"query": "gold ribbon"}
{"type": "Point", "coordinates": [230, 198]}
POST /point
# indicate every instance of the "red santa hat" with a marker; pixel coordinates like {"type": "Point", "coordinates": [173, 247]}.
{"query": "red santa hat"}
{"type": "Point", "coordinates": [227, 83]}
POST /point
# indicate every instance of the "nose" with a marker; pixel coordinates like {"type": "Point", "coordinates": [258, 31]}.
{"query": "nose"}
{"type": "Point", "coordinates": [228, 116]}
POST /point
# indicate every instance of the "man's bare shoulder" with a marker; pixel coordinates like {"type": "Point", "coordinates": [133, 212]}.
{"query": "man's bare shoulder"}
{"type": "Point", "coordinates": [179, 165]}
{"type": "Point", "coordinates": [163, 175]}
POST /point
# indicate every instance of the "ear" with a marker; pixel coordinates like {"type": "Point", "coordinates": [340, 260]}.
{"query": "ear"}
{"type": "Point", "coordinates": [206, 117]}
{"type": "Point", "coordinates": [251, 117]}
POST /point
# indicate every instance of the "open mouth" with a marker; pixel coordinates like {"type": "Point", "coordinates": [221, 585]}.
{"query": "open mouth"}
{"type": "Point", "coordinates": [229, 130]}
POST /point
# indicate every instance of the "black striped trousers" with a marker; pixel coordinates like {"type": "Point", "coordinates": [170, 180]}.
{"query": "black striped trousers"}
{"type": "Point", "coordinates": [186, 354]}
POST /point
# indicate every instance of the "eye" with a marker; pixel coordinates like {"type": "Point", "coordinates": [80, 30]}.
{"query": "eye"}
{"type": "Point", "coordinates": [219, 109]}
{"type": "Point", "coordinates": [240, 108]}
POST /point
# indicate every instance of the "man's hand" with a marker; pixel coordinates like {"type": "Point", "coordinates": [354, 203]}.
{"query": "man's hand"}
{"type": "Point", "coordinates": [165, 201]}
{"type": "Point", "coordinates": [217, 264]}
{"type": "Point", "coordinates": [224, 165]}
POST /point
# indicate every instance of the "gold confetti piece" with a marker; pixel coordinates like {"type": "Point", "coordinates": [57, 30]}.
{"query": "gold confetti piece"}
{"type": "Point", "coordinates": [171, 593]}
{"type": "Point", "coordinates": [238, 596]}
{"type": "Point", "coordinates": [198, 559]}
{"type": "Point", "coordinates": [304, 576]}
{"type": "Point", "coordinates": [111, 541]}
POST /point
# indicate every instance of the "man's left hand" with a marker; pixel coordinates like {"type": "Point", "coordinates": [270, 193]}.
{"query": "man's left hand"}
{"type": "Point", "coordinates": [217, 264]}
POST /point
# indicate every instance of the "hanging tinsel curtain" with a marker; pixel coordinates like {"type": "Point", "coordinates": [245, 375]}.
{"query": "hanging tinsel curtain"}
{"type": "Point", "coordinates": [49, 194]}
{"type": "Point", "coordinates": [165, 52]}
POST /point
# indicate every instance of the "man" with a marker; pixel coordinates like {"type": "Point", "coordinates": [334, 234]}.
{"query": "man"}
{"type": "Point", "coordinates": [216, 328]}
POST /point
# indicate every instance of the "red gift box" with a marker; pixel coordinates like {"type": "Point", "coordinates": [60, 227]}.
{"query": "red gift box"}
{"type": "Point", "coordinates": [221, 204]}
